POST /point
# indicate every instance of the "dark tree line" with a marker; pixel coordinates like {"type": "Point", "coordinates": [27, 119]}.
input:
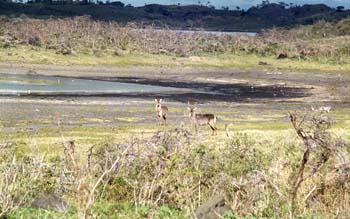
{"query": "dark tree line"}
{"type": "Point", "coordinates": [67, 2]}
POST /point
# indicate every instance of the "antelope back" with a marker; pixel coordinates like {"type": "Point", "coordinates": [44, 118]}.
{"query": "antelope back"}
{"type": "Point", "coordinates": [200, 119]}
{"type": "Point", "coordinates": [203, 119]}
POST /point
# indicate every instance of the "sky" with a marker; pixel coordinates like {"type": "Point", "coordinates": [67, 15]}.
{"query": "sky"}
{"type": "Point", "coordinates": [233, 3]}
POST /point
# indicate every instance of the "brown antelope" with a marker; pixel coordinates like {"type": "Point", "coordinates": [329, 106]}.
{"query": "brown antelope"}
{"type": "Point", "coordinates": [202, 119]}
{"type": "Point", "coordinates": [162, 112]}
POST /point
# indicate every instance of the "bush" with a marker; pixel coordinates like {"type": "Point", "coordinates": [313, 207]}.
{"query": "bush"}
{"type": "Point", "coordinates": [23, 178]}
{"type": "Point", "coordinates": [82, 34]}
{"type": "Point", "coordinates": [34, 41]}
{"type": "Point", "coordinates": [173, 172]}
{"type": "Point", "coordinates": [343, 27]}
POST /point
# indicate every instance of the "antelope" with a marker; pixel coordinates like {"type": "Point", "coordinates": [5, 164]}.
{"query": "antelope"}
{"type": "Point", "coordinates": [325, 109]}
{"type": "Point", "coordinates": [162, 112]}
{"type": "Point", "coordinates": [202, 119]}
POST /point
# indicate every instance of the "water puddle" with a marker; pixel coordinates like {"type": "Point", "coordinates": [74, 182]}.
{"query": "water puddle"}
{"type": "Point", "coordinates": [18, 84]}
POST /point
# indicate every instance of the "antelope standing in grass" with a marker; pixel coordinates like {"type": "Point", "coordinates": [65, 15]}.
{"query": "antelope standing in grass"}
{"type": "Point", "coordinates": [202, 119]}
{"type": "Point", "coordinates": [162, 112]}
{"type": "Point", "coordinates": [322, 109]}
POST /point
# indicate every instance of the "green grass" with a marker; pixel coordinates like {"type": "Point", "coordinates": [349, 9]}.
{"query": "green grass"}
{"type": "Point", "coordinates": [26, 80]}
{"type": "Point", "coordinates": [269, 138]}
{"type": "Point", "coordinates": [29, 213]}
{"type": "Point", "coordinates": [48, 138]}
{"type": "Point", "coordinates": [25, 54]}
{"type": "Point", "coordinates": [105, 210]}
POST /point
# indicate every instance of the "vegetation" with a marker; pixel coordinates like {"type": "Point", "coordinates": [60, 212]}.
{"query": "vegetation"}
{"type": "Point", "coordinates": [203, 15]}
{"type": "Point", "coordinates": [171, 173]}
{"type": "Point", "coordinates": [268, 171]}
{"type": "Point", "coordinates": [322, 46]}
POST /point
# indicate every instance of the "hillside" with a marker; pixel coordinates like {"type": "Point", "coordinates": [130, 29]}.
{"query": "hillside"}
{"type": "Point", "coordinates": [184, 17]}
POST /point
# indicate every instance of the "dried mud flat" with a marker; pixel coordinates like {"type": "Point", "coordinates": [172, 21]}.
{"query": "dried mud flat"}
{"type": "Point", "coordinates": [232, 93]}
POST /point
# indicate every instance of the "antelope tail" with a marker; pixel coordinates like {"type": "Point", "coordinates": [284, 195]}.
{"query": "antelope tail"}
{"type": "Point", "coordinates": [215, 119]}
{"type": "Point", "coordinates": [228, 134]}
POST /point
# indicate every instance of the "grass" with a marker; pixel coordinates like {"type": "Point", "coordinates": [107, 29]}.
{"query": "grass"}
{"type": "Point", "coordinates": [83, 41]}
{"type": "Point", "coordinates": [26, 54]}
{"type": "Point", "coordinates": [261, 140]}
{"type": "Point", "coordinates": [269, 137]}
{"type": "Point", "coordinates": [25, 80]}
{"type": "Point", "coordinates": [48, 138]}
{"type": "Point", "coordinates": [106, 210]}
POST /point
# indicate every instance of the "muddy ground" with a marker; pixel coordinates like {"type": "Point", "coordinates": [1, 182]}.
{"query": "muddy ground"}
{"type": "Point", "coordinates": [241, 97]}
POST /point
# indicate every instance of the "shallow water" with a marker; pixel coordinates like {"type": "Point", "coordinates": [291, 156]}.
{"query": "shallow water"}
{"type": "Point", "coordinates": [31, 84]}
{"type": "Point", "coordinates": [217, 33]}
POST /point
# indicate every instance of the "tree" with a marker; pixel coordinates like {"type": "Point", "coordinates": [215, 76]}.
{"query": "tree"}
{"type": "Point", "coordinates": [225, 8]}
{"type": "Point", "coordinates": [118, 4]}
{"type": "Point", "coordinates": [283, 4]}
{"type": "Point", "coordinates": [340, 8]}
{"type": "Point", "coordinates": [264, 3]}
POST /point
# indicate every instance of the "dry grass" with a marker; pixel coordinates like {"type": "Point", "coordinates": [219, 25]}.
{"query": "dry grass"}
{"type": "Point", "coordinates": [83, 41]}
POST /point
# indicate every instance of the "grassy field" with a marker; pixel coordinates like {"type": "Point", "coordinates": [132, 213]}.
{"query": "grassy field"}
{"type": "Point", "coordinates": [253, 164]}
{"type": "Point", "coordinates": [273, 156]}
{"type": "Point", "coordinates": [82, 41]}
{"type": "Point", "coordinates": [262, 141]}
{"type": "Point", "coordinates": [25, 54]}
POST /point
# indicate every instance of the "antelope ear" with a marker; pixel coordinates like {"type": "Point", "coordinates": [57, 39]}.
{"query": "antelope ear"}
{"type": "Point", "coordinates": [195, 108]}
{"type": "Point", "coordinates": [189, 108]}
{"type": "Point", "coordinates": [156, 100]}
{"type": "Point", "coordinates": [160, 100]}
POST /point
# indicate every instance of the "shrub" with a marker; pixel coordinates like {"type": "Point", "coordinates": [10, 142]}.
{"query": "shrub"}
{"type": "Point", "coordinates": [174, 172]}
{"type": "Point", "coordinates": [82, 34]}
